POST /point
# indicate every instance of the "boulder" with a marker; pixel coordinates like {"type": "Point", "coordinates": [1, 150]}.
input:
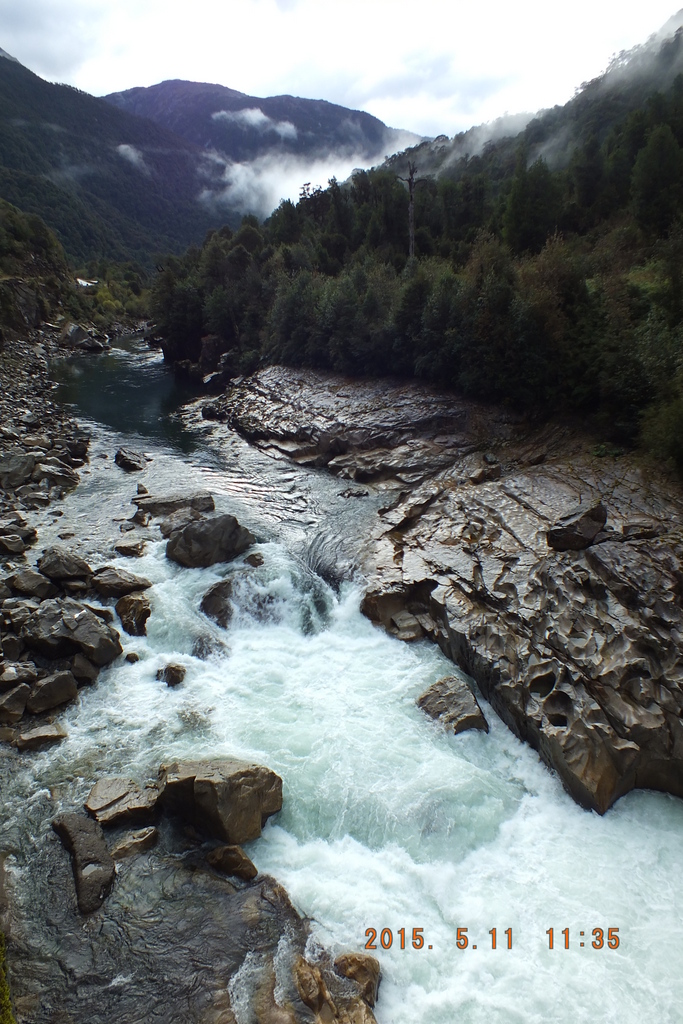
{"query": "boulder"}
{"type": "Point", "coordinates": [60, 628]}
{"type": "Point", "coordinates": [364, 970]}
{"type": "Point", "coordinates": [110, 582]}
{"type": "Point", "coordinates": [12, 544]}
{"type": "Point", "coordinates": [313, 990]}
{"type": "Point", "coordinates": [227, 799]}
{"type": "Point", "coordinates": [16, 468]}
{"type": "Point", "coordinates": [178, 520]}
{"type": "Point", "coordinates": [255, 559]}
{"type": "Point", "coordinates": [83, 670]}
{"type": "Point", "coordinates": [134, 610]}
{"type": "Point", "coordinates": [56, 472]}
{"type": "Point", "coordinates": [130, 461]}
{"type": "Point", "coordinates": [115, 800]}
{"type": "Point", "coordinates": [164, 505]}
{"type": "Point", "coordinates": [578, 530]}
{"type": "Point", "coordinates": [50, 692]}
{"type": "Point", "coordinates": [130, 549]}
{"type": "Point", "coordinates": [219, 539]}
{"type": "Point", "coordinates": [12, 675]}
{"type": "Point", "coordinates": [60, 564]}
{"type": "Point", "coordinates": [453, 703]}
{"type": "Point", "coordinates": [33, 584]}
{"type": "Point", "coordinates": [136, 842]}
{"type": "Point", "coordinates": [93, 866]}
{"type": "Point", "coordinates": [232, 860]}
{"type": "Point", "coordinates": [13, 703]}
{"type": "Point", "coordinates": [172, 675]}
{"type": "Point", "coordinates": [217, 603]}
{"type": "Point", "coordinates": [39, 738]}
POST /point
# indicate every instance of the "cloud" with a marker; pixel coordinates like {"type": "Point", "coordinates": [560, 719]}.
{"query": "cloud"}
{"type": "Point", "coordinates": [432, 69]}
{"type": "Point", "coordinates": [253, 117]}
{"type": "Point", "coordinates": [133, 156]}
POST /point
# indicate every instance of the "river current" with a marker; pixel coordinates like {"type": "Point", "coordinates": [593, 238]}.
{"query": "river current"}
{"type": "Point", "coordinates": [388, 822]}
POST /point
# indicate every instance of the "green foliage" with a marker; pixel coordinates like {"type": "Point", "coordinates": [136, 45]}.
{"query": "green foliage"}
{"type": "Point", "coordinates": [6, 1014]}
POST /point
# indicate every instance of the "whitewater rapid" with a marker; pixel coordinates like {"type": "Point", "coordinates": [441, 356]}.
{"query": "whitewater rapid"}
{"type": "Point", "coordinates": [388, 822]}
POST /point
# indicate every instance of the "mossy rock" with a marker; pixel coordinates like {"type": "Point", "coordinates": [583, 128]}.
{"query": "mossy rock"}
{"type": "Point", "coordinates": [6, 1015]}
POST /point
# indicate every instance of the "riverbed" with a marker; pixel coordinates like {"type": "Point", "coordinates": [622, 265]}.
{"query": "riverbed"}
{"type": "Point", "coordinates": [388, 822]}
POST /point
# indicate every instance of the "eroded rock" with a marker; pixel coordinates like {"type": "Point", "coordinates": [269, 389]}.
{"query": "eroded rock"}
{"type": "Point", "coordinates": [453, 703]}
{"type": "Point", "coordinates": [364, 970]}
{"type": "Point", "coordinates": [93, 866]}
{"type": "Point", "coordinates": [227, 799]}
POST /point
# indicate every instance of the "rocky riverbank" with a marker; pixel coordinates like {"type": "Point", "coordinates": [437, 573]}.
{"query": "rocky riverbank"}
{"type": "Point", "coordinates": [546, 566]}
{"type": "Point", "coordinates": [153, 911]}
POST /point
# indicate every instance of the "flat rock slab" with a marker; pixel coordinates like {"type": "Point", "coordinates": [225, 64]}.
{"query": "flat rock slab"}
{"type": "Point", "coordinates": [92, 863]}
{"type": "Point", "coordinates": [227, 799]}
{"type": "Point", "coordinates": [164, 505]}
{"type": "Point", "coordinates": [114, 800]}
{"type": "Point", "coordinates": [110, 582]}
{"type": "Point", "coordinates": [203, 543]}
{"type": "Point", "coordinates": [453, 703]}
{"type": "Point", "coordinates": [40, 738]}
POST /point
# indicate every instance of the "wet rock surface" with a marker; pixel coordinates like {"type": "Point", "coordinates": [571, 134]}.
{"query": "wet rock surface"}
{"type": "Point", "coordinates": [133, 610]}
{"type": "Point", "coordinates": [548, 573]}
{"type": "Point", "coordinates": [203, 543]}
{"type": "Point", "coordinates": [453, 703]}
{"type": "Point", "coordinates": [227, 799]}
{"type": "Point", "coordinates": [92, 863]}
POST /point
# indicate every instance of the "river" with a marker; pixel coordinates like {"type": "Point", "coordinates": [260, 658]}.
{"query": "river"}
{"type": "Point", "coordinates": [388, 823]}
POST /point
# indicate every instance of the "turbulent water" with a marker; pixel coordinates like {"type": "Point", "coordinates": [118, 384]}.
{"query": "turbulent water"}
{"type": "Point", "coordinates": [388, 822]}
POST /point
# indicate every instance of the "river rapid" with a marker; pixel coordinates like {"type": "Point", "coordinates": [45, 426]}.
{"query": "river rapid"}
{"type": "Point", "coordinates": [388, 822]}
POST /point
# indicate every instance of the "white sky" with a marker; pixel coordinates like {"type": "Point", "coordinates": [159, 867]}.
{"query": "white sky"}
{"type": "Point", "coordinates": [430, 66]}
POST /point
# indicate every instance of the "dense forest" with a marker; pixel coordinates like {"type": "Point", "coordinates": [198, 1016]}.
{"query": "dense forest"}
{"type": "Point", "coordinates": [550, 290]}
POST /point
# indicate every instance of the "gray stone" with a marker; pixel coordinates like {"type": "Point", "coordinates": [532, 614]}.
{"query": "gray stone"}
{"type": "Point", "coordinates": [16, 468]}
{"type": "Point", "coordinates": [51, 691]}
{"type": "Point", "coordinates": [164, 505]}
{"type": "Point", "coordinates": [130, 461]}
{"type": "Point", "coordinates": [13, 703]}
{"type": "Point", "coordinates": [178, 520]}
{"type": "Point", "coordinates": [60, 628]}
{"type": "Point", "coordinates": [60, 564]}
{"type": "Point", "coordinates": [219, 539]}
{"type": "Point", "coordinates": [93, 866]}
{"type": "Point", "coordinates": [111, 582]}
{"type": "Point", "coordinates": [34, 584]}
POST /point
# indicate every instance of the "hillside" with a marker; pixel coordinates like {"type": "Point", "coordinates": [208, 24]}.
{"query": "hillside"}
{"type": "Point", "coordinates": [108, 183]}
{"type": "Point", "coordinates": [242, 127]}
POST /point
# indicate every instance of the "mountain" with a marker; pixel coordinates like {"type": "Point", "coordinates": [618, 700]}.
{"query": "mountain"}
{"type": "Point", "coordinates": [242, 128]}
{"type": "Point", "coordinates": [108, 183]}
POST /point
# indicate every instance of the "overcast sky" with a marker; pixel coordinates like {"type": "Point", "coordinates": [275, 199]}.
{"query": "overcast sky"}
{"type": "Point", "coordinates": [430, 66]}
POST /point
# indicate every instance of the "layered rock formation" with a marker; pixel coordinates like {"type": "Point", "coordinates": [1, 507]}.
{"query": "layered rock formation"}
{"type": "Point", "coordinates": [548, 573]}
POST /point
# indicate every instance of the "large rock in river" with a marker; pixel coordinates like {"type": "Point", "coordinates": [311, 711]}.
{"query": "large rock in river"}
{"type": "Point", "coordinates": [93, 866]}
{"type": "Point", "coordinates": [451, 701]}
{"type": "Point", "coordinates": [58, 628]}
{"type": "Point", "coordinates": [164, 505]}
{"type": "Point", "coordinates": [60, 564]}
{"type": "Point", "coordinates": [202, 543]}
{"type": "Point", "coordinates": [227, 799]}
{"type": "Point", "coordinates": [111, 582]}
